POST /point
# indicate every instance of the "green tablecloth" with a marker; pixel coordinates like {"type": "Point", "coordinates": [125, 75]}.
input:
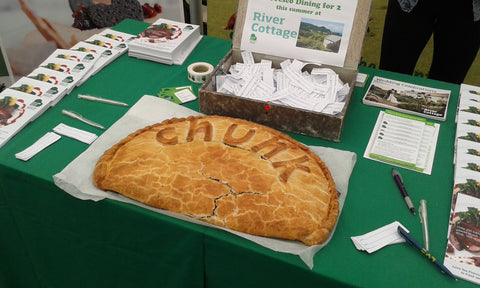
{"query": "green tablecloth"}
{"type": "Point", "coordinates": [51, 239]}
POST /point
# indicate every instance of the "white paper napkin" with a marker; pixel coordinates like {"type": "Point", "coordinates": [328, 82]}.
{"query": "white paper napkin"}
{"type": "Point", "coordinates": [379, 238]}
{"type": "Point", "coordinates": [42, 143]}
{"type": "Point", "coordinates": [77, 134]}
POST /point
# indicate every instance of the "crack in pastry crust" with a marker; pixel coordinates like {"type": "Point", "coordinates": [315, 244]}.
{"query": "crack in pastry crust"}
{"type": "Point", "coordinates": [226, 171]}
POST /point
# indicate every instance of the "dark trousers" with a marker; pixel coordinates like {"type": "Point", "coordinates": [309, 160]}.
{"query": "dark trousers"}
{"type": "Point", "coordinates": [456, 38]}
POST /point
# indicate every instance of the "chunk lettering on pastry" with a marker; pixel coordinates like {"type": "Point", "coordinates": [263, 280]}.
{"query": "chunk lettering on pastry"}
{"type": "Point", "coordinates": [270, 147]}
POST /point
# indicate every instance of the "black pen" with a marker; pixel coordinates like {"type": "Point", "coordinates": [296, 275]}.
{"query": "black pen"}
{"type": "Point", "coordinates": [398, 179]}
{"type": "Point", "coordinates": [424, 251]}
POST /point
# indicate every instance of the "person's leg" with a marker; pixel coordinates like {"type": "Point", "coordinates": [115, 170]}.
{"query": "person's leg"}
{"type": "Point", "coordinates": [456, 42]}
{"type": "Point", "coordinates": [405, 36]}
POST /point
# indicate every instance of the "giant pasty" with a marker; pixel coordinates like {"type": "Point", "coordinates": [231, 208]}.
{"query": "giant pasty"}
{"type": "Point", "coordinates": [226, 171]}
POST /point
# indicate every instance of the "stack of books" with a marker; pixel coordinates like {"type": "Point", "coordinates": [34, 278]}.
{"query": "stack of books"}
{"type": "Point", "coordinates": [463, 236]}
{"type": "Point", "coordinates": [165, 41]}
{"type": "Point", "coordinates": [62, 71]}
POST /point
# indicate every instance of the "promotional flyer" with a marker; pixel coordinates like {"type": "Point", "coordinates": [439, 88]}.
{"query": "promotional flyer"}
{"type": "Point", "coordinates": [314, 31]}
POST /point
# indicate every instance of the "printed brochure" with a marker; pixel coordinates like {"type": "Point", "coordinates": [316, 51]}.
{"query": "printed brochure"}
{"type": "Point", "coordinates": [403, 140]}
{"type": "Point", "coordinates": [303, 30]}
{"type": "Point", "coordinates": [408, 98]}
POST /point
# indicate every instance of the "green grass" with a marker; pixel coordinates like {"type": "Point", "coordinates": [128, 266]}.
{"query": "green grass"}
{"type": "Point", "coordinates": [218, 14]}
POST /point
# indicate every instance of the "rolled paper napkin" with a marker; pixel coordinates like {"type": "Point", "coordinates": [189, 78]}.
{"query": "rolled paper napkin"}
{"type": "Point", "coordinates": [39, 145]}
{"type": "Point", "coordinates": [77, 134]}
{"type": "Point", "coordinates": [379, 238]}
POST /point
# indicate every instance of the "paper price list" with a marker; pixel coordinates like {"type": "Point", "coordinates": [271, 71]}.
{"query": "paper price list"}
{"type": "Point", "coordinates": [403, 140]}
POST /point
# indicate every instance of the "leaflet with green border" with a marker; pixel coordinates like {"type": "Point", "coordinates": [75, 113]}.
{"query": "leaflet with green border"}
{"type": "Point", "coordinates": [403, 140]}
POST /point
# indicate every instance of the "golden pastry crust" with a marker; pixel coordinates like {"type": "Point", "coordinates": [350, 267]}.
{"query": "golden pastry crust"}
{"type": "Point", "coordinates": [225, 171]}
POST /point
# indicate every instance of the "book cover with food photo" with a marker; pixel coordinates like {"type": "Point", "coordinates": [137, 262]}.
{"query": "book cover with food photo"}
{"type": "Point", "coordinates": [462, 255]}
{"type": "Point", "coordinates": [165, 41]}
{"type": "Point", "coordinates": [48, 91]}
{"type": "Point", "coordinates": [17, 109]}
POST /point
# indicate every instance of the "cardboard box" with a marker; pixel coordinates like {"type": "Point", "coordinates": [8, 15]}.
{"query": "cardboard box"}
{"type": "Point", "coordinates": [280, 117]}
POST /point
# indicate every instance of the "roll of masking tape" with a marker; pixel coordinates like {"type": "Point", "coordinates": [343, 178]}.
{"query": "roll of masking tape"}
{"type": "Point", "coordinates": [198, 72]}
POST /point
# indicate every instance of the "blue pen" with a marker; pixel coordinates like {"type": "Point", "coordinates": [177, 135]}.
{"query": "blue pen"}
{"type": "Point", "coordinates": [424, 251]}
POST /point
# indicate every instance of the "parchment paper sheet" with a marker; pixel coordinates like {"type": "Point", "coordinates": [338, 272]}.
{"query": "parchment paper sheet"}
{"type": "Point", "coordinates": [76, 178]}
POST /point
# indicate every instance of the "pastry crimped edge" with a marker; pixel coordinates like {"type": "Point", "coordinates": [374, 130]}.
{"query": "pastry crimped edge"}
{"type": "Point", "coordinates": [102, 167]}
